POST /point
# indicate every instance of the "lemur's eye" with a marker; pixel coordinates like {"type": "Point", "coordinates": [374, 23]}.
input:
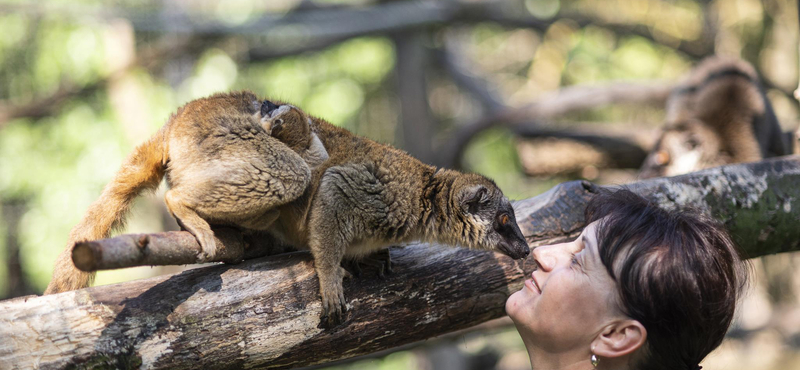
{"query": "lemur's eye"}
{"type": "Point", "coordinates": [662, 157]}
{"type": "Point", "coordinates": [692, 143]}
{"type": "Point", "coordinates": [503, 219]}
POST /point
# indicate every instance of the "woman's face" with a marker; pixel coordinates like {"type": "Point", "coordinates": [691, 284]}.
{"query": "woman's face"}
{"type": "Point", "coordinates": [569, 298]}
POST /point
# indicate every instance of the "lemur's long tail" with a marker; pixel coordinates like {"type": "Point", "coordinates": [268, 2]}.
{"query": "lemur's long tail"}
{"type": "Point", "coordinates": [142, 170]}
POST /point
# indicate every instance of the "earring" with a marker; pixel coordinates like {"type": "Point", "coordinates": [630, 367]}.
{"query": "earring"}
{"type": "Point", "coordinates": [595, 361]}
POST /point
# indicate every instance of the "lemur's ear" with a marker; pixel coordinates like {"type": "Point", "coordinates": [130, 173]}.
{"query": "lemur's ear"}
{"type": "Point", "coordinates": [471, 197]}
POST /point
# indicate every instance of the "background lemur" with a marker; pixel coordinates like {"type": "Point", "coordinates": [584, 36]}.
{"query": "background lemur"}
{"type": "Point", "coordinates": [369, 195]}
{"type": "Point", "coordinates": [225, 165]}
{"type": "Point", "coordinates": [718, 115]}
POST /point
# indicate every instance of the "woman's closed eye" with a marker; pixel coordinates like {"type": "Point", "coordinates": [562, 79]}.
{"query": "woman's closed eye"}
{"type": "Point", "coordinates": [574, 259]}
{"type": "Point", "coordinates": [575, 263]}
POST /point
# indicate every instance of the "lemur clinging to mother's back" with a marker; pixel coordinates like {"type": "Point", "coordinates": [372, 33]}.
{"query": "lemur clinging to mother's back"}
{"type": "Point", "coordinates": [718, 115]}
{"type": "Point", "coordinates": [229, 159]}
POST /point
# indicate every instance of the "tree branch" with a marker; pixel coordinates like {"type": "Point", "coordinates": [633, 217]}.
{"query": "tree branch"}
{"type": "Point", "coordinates": [756, 201]}
{"type": "Point", "coordinates": [264, 312]}
{"type": "Point", "coordinates": [318, 25]}
{"type": "Point", "coordinates": [171, 248]}
{"type": "Point", "coordinates": [568, 99]}
{"type": "Point", "coordinates": [607, 148]}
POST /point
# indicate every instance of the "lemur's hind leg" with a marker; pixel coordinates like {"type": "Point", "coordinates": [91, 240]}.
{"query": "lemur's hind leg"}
{"type": "Point", "coordinates": [193, 223]}
{"type": "Point", "coordinates": [381, 260]}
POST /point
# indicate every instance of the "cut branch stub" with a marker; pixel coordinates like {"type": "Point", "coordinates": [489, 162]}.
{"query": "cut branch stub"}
{"type": "Point", "coordinates": [171, 248]}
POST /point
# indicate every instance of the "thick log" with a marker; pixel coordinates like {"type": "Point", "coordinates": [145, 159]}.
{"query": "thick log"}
{"type": "Point", "coordinates": [756, 201]}
{"type": "Point", "coordinates": [264, 313]}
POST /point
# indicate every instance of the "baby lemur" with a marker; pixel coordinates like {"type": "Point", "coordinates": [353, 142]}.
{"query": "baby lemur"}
{"type": "Point", "coordinates": [718, 115]}
{"type": "Point", "coordinates": [224, 164]}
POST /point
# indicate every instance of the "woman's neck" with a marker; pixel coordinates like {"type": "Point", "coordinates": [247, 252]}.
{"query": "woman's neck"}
{"type": "Point", "coordinates": [569, 360]}
{"type": "Point", "coordinates": [543, 360]}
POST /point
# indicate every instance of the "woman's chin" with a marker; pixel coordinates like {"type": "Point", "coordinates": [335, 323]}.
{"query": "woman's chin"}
{"type": "Point", "coordinates": [519, 300]}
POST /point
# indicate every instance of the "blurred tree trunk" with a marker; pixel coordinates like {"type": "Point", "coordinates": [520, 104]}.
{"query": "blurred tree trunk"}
{"type": "Point", "coordinates": [16, 281]}
{"type": "Point", "coordinates": [264, 313]}
{"type": "Point", "coordinates": [416, 122]}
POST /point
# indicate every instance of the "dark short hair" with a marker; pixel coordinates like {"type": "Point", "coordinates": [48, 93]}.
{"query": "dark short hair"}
{"type": "Point", "coordinates": [678, 273]}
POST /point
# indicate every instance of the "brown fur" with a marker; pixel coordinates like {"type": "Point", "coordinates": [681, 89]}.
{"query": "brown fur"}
{"type": "Point", "coordinates": [222, 165]}
{"type": "Point", "coordinates": [369, 195]}
{"type": "Point", "coordinates": [718, 115]}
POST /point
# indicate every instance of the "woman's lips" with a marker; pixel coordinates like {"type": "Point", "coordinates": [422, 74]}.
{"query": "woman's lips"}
{"type": "Point", "coordinates": [532, 285]}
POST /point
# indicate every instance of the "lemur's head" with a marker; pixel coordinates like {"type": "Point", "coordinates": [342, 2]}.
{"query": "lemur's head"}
{"type": "Point", "coordinates": [485, 217]}
{"type": "Point", "coordinates": [286, 123]}
{"type": "Point", "coordinates": [686, 146]}
{"type": "Point", "coordinates": [282, 121]}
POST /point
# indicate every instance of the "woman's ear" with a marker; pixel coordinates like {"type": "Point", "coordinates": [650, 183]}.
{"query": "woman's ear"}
{"type": "Point", "coordinates": [619, 339]}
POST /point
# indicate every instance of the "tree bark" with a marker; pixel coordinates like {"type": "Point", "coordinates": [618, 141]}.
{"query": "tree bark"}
{"type": "Point", "coordinates": [264, 313]}
{"type": "Point", "coordinates": [756, 201]}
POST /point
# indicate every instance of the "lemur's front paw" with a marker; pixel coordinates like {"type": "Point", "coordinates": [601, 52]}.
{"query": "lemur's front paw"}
{"type": "Point", "coordinates": [333, 305]}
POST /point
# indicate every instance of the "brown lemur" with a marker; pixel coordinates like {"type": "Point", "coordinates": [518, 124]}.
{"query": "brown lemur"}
{"type": "Point", "coordinates": [229, 159]}
{"type": "Point", "coordinates": [353, 199]}
{"type": "Point", "coordinates": [718, 115]}
{"type": "Point", "coordinates": [368, 195]}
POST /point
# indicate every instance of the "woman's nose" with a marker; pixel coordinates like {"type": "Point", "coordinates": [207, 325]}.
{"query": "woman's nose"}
{"type": "Point", "coordinates": [545, 257]}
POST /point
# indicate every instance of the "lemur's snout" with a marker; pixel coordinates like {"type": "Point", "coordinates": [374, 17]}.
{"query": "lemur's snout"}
{"type": "Point", "coordinates": [267, 107]}
{"type": "Point", "coordinates": [515, 249]}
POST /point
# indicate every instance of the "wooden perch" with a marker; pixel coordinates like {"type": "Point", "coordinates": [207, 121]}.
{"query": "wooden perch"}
{"type": "Point", "coordinates": [756, 201]}
{"type": "Point", "coordinates": [170, 248]}
{"type": "Point", "coordinates": [264, 313]}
